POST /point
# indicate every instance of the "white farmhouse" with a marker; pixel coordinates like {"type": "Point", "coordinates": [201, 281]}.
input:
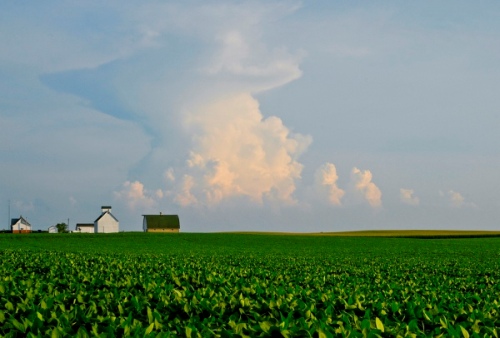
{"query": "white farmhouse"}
{"type": "Point", "coordinates": [85, 228]}
{"type": "Point", "coordinates": [20, 225]}
{"type": "Point", "coordinates": [53, 229]}
{"type": "Point", "coordinates": [106, 222]}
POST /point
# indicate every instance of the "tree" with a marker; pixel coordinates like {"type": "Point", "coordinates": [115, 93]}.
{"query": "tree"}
{"type": "Point", "coordinates": [62, 227]}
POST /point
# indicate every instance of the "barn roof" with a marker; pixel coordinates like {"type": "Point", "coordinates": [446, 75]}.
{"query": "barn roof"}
{"type": "Point", "coordinates": [162, 221]}
{"type": "Point", "coordinates": [23, 220]}
{"type": "Point", "coordinates": [82, 225]}
{"type": "Point", "coordinates": [104, 213]}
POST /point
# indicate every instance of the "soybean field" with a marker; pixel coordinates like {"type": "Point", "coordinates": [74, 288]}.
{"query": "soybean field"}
{"type": "Point", "coordinates": [247, 285]}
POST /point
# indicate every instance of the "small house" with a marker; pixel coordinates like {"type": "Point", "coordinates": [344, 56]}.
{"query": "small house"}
{"type": "Point", "coordinates": [53, 229]}
{"type": "Point", "coordinates": [85, 228]}
{"type": "Point", "coordinates": [106, 222]}
{"type": "Point", "coordinates": [20, 225]}
{"type": "Point", "coordinates": [161, 223]}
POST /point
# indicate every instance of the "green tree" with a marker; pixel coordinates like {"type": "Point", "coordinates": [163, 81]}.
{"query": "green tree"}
{"type": "Point", "coordinates": [62, 227]}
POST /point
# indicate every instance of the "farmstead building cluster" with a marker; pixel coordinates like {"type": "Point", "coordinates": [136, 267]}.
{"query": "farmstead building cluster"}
{"type": "Point", "coordinates": [105, 223]}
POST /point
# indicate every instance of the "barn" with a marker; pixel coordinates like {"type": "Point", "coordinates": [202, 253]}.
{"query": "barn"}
{"type": "Point", "coordinates": [161, 223]}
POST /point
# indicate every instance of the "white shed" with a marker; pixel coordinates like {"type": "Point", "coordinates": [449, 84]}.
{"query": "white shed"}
{"type": "Point", "coordinates": [85, 228]}
{"type": "Point", "coordinates": [53, 229]}
{"type": "Point", "coordinates": [106, 222]}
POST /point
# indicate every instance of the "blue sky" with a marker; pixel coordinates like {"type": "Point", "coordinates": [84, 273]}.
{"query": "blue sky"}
{"type": "Point", "coordinates": [252, 115]}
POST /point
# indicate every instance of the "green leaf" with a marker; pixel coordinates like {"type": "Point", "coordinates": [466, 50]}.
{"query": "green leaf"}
{"type": "Point", "coordinates": [379, 324]}
{"type": "Point", "coordinates": [464, 332]}
{"type": "Point", "coordinates": [238, 329]}
{"type": "Point", "coordinates": [265, 326]}
{"type": "Point", "coordinates": [321, 334]}
{"type": "Point", "coordinates": [150, 328]}
{"type": "Point", "coordinates": [18, 325]}
{"type": "Point", "coordinates": [150, 315]}
{"type": "Point", "coordinates": [9, 306]}
{"type": "Point", "coordinates": [2, 316]}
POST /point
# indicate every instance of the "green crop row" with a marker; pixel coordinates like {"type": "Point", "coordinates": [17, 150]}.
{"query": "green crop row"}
{"type": "Point", "coordinates": [247, 293]}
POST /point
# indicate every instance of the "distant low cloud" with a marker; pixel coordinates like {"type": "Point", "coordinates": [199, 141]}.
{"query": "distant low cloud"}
{"type": "Point", "coordinates": [455, 199]}
{"type": "Point", "coordinates": [407, 197]}
{"type": "Point", "coordinates": [362, 186]}
{"type": "Point", "coordinates": [22, 206]}
{"type": "Point", "coordinates": [73, 201]}
{"type": "Point", "coordinates": [326, 184]}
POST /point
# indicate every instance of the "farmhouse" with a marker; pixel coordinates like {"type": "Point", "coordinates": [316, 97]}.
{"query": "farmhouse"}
{"type": "Point", "coordinates": [53, 229]}
{"type": "Point", "coordinates": [161, 223]}
{"type": "Point", "coordinates": [85, 228]}
{"type": "Point", "coordinates": [20, 225]}
{"type": "Point", "coordinates": [106, 222]}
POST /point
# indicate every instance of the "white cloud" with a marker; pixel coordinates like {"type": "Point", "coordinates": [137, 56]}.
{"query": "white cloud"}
{"type": "Point", "coordinates": [169, 175]}
{"type": "Point", "coordinates": [22, 206]}
{"type": "Point", "coordinates": [259, 67]}
{"type": "Point", "coordinates": [453, 199]}
{"type": "Point", "coordinates": [136, 197]}
{"type": "Point", "coordinates": [326, 184]}
{"type": "Point", "coordinates": [184, 197]}
{"type": "Point", "coordinates": [406, 196]}
{"type": "Point", "coordinates": [456, 200]}
{"type": "Point", "coordinates": [72, 201]}
{"type": "Point", "coordinates": [362, 186]}
{"type": "Point", "coordinates": [237, 152]}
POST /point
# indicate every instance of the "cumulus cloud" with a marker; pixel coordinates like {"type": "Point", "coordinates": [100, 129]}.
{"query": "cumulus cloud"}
{"type": "Point", "coordinates": [407, 197]}
{"type": "Point", "coordinates": [326, 184]}
{"type": "Point", "coordinates": [184, 196]}
{"type": "Point", "coordinates": [362, 186]}
{"type": "Point", "coordinates": [237, 152]}
{"type": "Point", "coordinates": [455, 199]}
{"type": "Point", "coordinates": [135, 196]}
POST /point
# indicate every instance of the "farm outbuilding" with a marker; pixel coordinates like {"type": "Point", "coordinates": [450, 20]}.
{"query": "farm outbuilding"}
{"type": "Point", "coordinates": [20, 225]}
{"type": "Point", "coordinates": [161, 223]}
{"type": "Point", "coordinates": [85, 228]}
{"type": "Point", "coordinates": [106, 222]}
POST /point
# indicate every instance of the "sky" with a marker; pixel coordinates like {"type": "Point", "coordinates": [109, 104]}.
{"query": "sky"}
{"type": "Point", "coordinates": [294, 116]}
